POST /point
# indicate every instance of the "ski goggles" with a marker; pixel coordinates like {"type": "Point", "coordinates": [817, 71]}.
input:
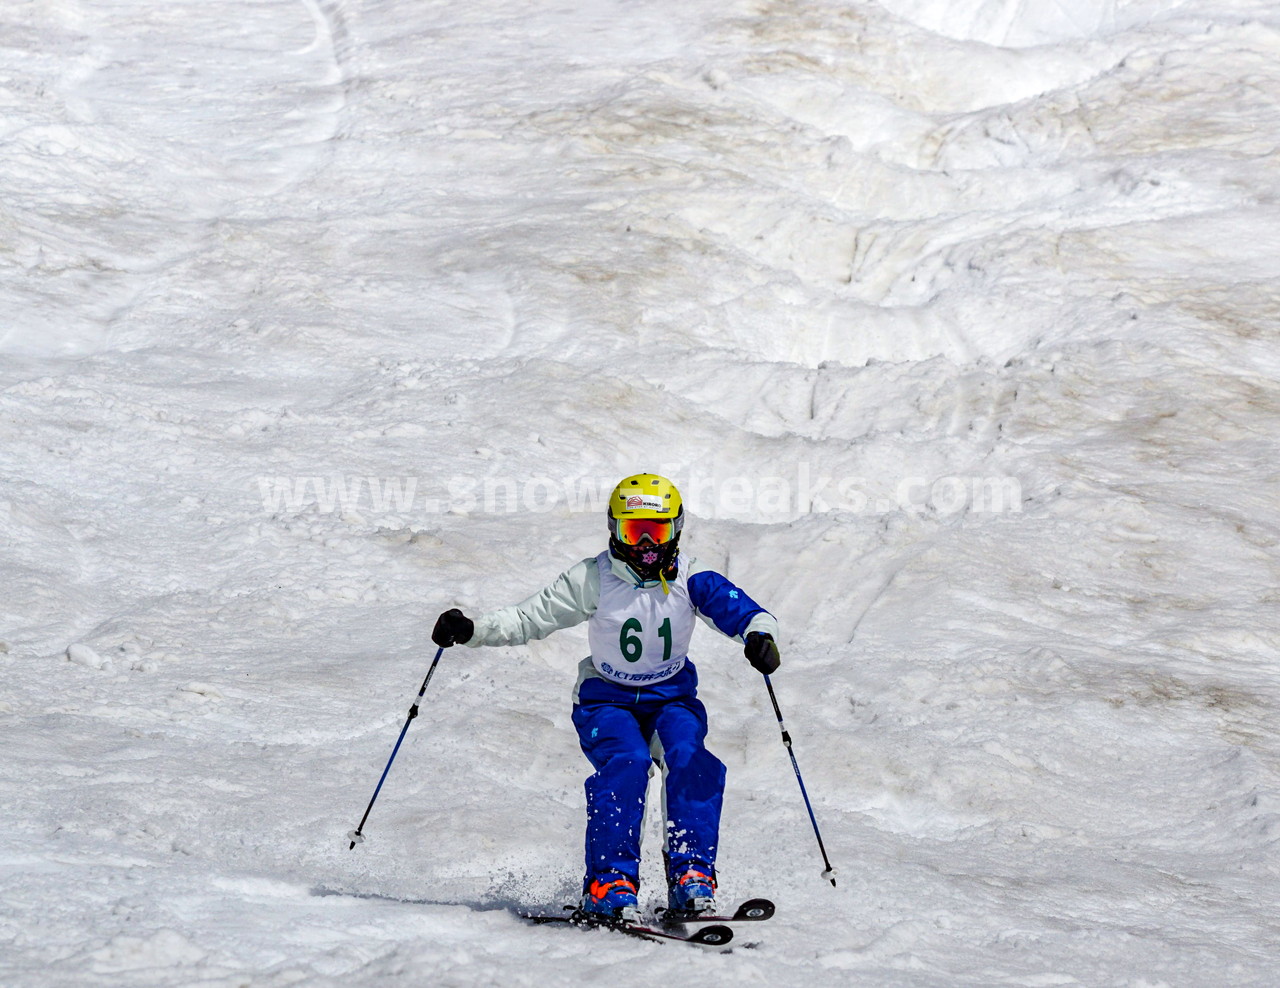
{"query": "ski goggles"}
{"type": "Point", "coordinates": [637, 531]}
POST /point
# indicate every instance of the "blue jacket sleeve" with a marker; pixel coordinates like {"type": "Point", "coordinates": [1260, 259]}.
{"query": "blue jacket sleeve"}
{"type": "Point", "coordinates": [723, 604]}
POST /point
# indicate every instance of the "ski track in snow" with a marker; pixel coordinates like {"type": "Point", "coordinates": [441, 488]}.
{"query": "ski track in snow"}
{"type": "Point", "coordinates": [913, 239]}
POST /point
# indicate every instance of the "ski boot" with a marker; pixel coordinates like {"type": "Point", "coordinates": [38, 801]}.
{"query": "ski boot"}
{"type": "Point", "coordinates": [609, 900]}
{"type": "Point", "coordinates": [691, 893]}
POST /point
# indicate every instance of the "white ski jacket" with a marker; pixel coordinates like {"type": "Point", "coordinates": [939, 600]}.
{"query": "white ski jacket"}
{"type": "Point", "coordinates": [574, 597]}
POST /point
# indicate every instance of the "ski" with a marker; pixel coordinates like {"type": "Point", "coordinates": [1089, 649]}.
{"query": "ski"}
{"type": "Point", "coordinates": [707, 936]}
{"type": "Point", "coordinates": [751, 911]}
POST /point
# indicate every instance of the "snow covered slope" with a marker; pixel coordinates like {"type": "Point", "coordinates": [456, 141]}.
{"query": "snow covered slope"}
{"type": "Point", "coordinates": [956, 321]}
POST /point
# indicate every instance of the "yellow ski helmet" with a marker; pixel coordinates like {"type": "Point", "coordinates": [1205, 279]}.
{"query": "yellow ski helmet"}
{"type": "Point", "coordinates": [645, 519]}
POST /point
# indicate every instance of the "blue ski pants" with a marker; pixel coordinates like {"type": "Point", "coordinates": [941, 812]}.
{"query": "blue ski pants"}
{"type": "Point", "coordinates": [623, 731]}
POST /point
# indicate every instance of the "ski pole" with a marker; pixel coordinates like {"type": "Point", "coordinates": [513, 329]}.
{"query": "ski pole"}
{"type": "Point", "coordinates": [355, 835]}
{"type": "Point", "coordinates": [830, 873]}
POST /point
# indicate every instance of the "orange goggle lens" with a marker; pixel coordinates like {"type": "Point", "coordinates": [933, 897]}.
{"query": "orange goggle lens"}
{"type": "Point", "coordinates": [635, 531]}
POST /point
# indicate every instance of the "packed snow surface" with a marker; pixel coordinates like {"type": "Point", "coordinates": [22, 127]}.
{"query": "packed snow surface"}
{"type": "Point", "coordinates": [956, 320]}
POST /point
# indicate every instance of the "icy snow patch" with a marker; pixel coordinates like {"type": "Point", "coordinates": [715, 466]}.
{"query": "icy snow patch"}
{"type": "Point", "coordinates": [1026, 23]}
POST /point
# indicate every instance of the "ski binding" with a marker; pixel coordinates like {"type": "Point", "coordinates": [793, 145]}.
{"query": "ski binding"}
{"type": "Point", "coordinates": [707, 936]}
{"type": "Point", "coordinates": [751, 911]}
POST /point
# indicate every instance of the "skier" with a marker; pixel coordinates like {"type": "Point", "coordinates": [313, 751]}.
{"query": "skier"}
{"type": "Point", "coordinates": [635, 704]}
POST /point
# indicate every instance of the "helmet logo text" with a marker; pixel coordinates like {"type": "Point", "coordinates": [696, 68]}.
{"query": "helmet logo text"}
{"type": "Point", "coordinates": [645, 501]}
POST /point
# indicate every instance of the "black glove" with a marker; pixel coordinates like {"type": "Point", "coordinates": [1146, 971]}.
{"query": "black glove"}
{"type": "Point", "coordinates": [451, 628]}
{"type": "Point", "coordinates": [762, 653]}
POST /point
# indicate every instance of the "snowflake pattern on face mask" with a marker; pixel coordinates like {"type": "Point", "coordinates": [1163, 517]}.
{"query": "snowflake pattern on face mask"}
{"type": "Point", "coordinates": [647, 560]}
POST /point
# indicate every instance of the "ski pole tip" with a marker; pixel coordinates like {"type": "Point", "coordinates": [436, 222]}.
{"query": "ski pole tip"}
{"type": "Point", "coordinates": [830, 875]}
{"type": "Point", "coordinates": [356, 838]}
